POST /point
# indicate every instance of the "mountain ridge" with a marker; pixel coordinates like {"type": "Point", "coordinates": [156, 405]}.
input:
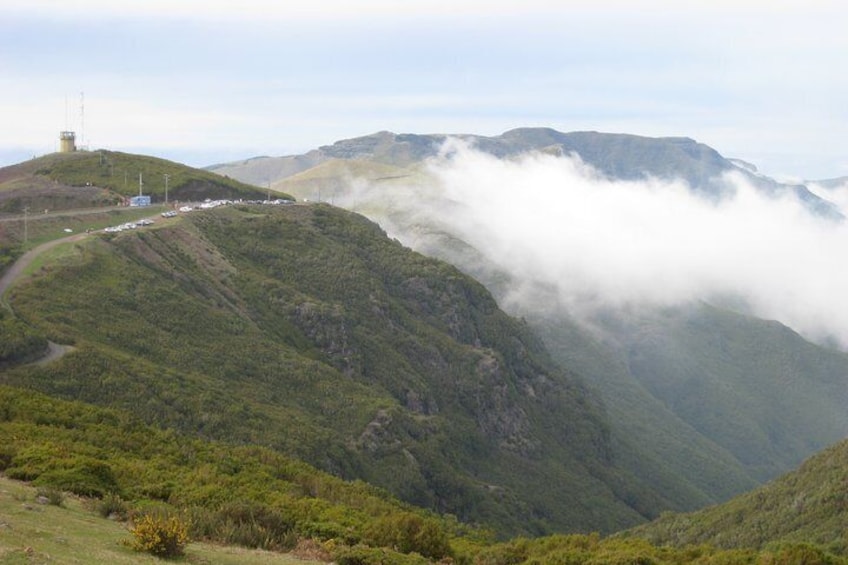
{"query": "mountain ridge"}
{"type": "Point", "coordinates": [615, 155]}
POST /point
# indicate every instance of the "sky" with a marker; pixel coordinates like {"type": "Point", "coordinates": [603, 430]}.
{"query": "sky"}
{"type": "Point", "coordinates": [215, 81]}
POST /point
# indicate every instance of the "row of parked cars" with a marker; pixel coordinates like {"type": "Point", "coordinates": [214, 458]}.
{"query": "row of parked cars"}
{"type": "Point", "coordinates": [129, 226]}
{"type": "Point", "coordinates": [185, 209]}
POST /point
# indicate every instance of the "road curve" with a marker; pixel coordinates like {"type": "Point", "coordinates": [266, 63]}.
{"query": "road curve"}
{"type": "Point", "coordinates": [54, 350]}
{"type": "Point", "coordinates": [13, 272]}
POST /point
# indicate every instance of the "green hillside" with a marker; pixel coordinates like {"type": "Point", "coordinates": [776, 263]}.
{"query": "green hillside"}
{"type": "Point", "coordinates": [42, 198]}
{"type": "Point", "coordinates": [703, 403]}
{"type": "Point", "coordinates": [723, 399]}
{"type": "Point", "coordinates": [95, 468]}
{"type": "Point", "coordinates": [305, 329]}
{"type": "Point", "coordinates": [214, 353]}
{"type": "Point", "coordinates": [249, 495]}
{"type": "Point", "coordinates": [102, 178]}
{"type": "Point", "coordinates": [332, 178]}
{"type": "Point", "coordinates": [806, 505]}
{"type": "Point", "coordinates": [74, 532]}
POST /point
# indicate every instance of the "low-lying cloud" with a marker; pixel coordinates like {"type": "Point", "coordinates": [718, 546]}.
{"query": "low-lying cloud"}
{"type": "Point", "coordinates": [598, 242]}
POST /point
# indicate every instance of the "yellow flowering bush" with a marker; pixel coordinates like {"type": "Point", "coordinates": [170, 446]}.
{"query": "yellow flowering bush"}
{"type": "Point", "coordinates": [162, 536]}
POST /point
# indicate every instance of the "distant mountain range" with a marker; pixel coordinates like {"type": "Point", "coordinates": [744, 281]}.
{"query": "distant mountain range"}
{"type": "Point", "coordinates": [618, 156]}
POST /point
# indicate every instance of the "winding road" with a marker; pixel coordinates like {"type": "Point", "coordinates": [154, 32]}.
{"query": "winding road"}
{"type": "Point", "coordinates": [13, 272]}
{"type": "Point", "coordinates": [54, 350]}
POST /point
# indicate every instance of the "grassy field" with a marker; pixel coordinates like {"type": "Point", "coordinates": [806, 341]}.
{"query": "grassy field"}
{"type": "Point", "coordinates": [41, 533]}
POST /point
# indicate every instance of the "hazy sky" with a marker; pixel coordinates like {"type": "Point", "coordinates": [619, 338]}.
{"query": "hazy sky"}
{"type": "Point", "coordinates": [211, 81]}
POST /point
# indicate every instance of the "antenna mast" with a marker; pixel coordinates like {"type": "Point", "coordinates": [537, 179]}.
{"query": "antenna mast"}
{"type": "Point", "coordinates": [82, 120]}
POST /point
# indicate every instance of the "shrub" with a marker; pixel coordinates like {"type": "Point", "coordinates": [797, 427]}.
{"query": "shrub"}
{"type": "Point", "coordinates": [7, 452]}
{"type": "Point", "coordinates": [256, 525]}
{"type": "Point", "coordinates": [510, 553]}
{"type": "Point", "coordinates": [245, 523]}
{"type": "Point", "coordinates": [162, 536]}
{"type": "Point", "coordinates": [363, 555]}
{"type": "Point", "coordinates": [792, 553]}
{"type": "Point", "coordinates": [80, 475]}
{"type": "Point", "coordinates": [55, 497]}
{"type": "Point", "coordinates": [112, 506]}
{"type": "Point", "coordinates": [409, 533]}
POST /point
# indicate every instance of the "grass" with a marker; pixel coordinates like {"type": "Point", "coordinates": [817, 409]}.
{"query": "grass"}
{"type": "Point", "coordinates": [54, 256]}
{"type": "Point", "coordinates": [41, 533]}
{"type": "Point", "coordinates": [44, 228]}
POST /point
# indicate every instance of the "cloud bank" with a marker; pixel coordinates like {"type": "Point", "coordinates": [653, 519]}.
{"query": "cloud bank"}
{"type": "Point", "coordinates": [555, 222]}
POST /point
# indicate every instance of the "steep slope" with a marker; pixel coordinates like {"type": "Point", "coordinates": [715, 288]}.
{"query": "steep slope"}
{"type": "Point", "coordinates": [753, 396]}
{"type": "Point", "coordinates": [723, 372]}
{"type": "Point", "coordinates": [684, 387]}
{"type": "Point", "coordinates": [809, 504]}
{"type": "Point", "coordinates": [304, 328]}
{"type": "Point", "coordinates": [710, 401]}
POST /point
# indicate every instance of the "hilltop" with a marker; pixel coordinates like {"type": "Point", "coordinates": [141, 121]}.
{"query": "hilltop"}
{"type": "Point", "coordinates": [88, 179]}
{"type": "Point", "coordinates": [42, 198]}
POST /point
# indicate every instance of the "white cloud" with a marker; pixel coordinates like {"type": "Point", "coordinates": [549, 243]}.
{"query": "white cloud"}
{"type": "Point", "coordinates": [554, 221]}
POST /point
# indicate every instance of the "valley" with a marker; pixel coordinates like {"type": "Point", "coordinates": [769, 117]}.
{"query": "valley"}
{"type": "Point", "coordinates": [246, 341]}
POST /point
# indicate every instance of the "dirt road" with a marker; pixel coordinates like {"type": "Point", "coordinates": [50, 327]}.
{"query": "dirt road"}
{"type": "Point", "coordinates": [54, 350]}
{"type": "Point", "coordinates": [13, 272]}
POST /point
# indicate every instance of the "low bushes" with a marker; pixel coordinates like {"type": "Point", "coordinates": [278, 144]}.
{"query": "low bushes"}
{"type": "Point", "coordinates": [160, 535]}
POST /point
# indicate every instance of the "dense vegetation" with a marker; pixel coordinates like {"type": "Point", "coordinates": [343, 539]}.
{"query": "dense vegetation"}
{"type": "Point", "coordinates": [715, 401]}
{"type": "Point", "coordinates": [703, 403]}
{"type": "Point", "coordinates": [806, 505]}
{"type": "Point", "coordinates": [18, 343]}
{"type": "Point", "coordinates": [255, 497]}
{"type": "Point", "coordinates": [230, 342]}
{"type": "Point", "coordinates": [305, 329]}
{"type": "Point", "coordinates": [244, 495]}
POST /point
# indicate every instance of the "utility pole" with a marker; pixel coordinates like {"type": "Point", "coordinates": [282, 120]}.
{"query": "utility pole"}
{"type": "Point", "coordinates": [167, 176]}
